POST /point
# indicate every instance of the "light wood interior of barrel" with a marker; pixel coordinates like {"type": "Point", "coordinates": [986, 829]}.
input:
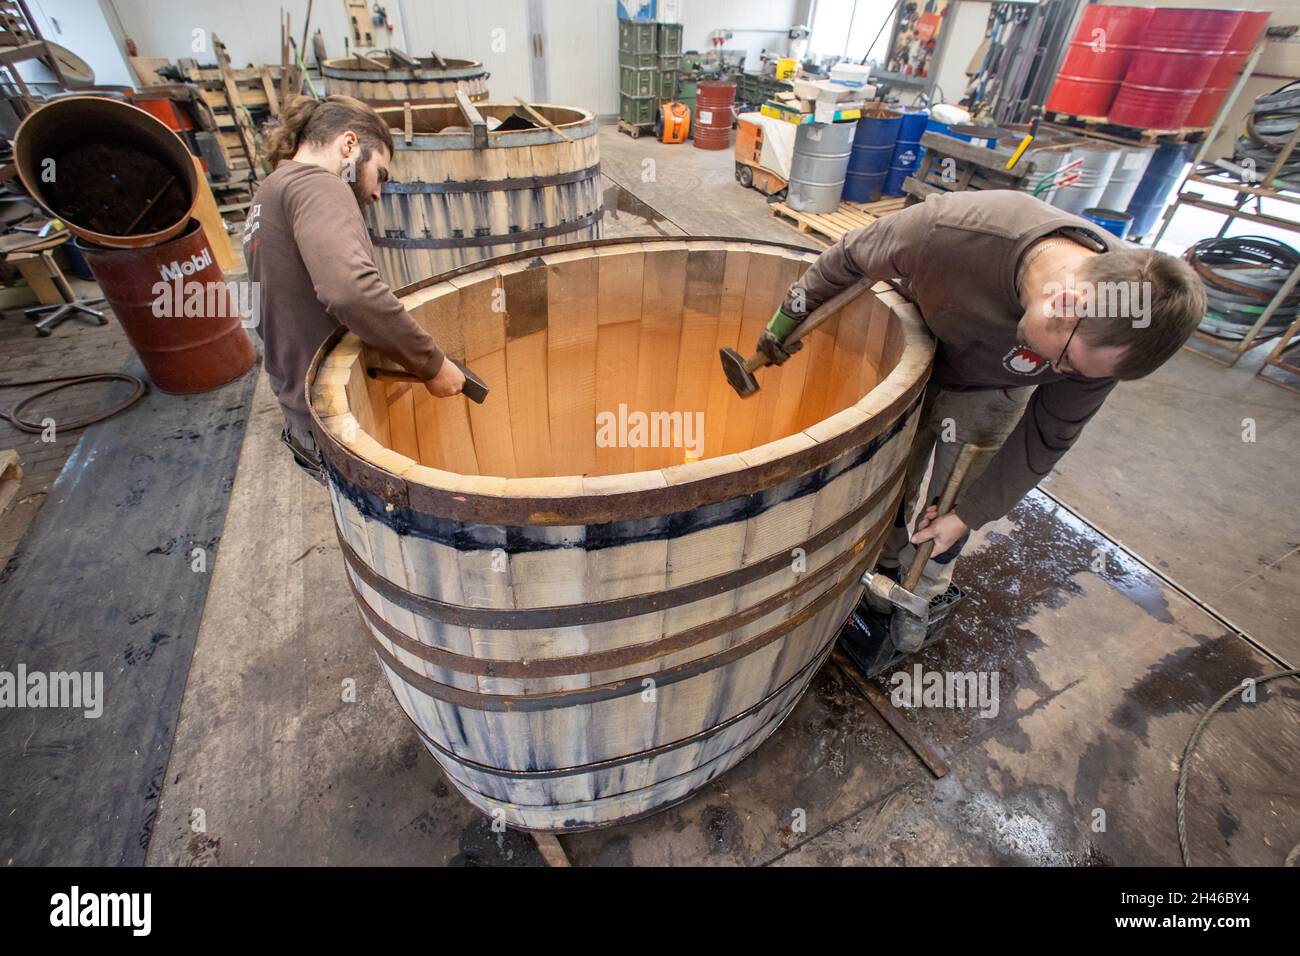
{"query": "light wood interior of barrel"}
{"type": "Point", "coordinates": [632, 325]}
{"type": "Point", "coordinates": [434, 119]}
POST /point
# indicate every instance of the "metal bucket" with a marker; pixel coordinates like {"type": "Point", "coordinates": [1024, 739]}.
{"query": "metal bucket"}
{"type": "Point", "coordinates": [713, 114]}
{"type": "Point", "coordinates": [1112, 220]}
{"type": "Point", "coordinates": [181, 352]}
{"type": "Point", "coordinates": [820, 166]}
{"type": "Point", "coordinates": [114, 174]}
{"type": "Point", "coordinates": [1047, 159]}
{"type": "Point", "coordinates": [1126, 176]}
{"type": "Point", "coordinates": [1099, 162]}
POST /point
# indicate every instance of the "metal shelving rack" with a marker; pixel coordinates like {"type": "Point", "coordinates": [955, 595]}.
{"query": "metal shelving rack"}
{"type": "Point", "coordinates": [1210, 174]}
{"type": "Point", "coordinates": [1226, 176]}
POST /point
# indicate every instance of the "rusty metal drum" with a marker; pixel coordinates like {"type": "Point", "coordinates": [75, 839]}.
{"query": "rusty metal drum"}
{"type": "Point", "coordinates": [179, 314]}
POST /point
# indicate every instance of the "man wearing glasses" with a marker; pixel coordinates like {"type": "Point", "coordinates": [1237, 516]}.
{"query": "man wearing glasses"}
{"type": "Point", "coordinates": [1038, 315]}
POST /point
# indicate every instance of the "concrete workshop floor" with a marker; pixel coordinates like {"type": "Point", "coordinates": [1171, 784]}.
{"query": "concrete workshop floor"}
{"type": "Point", "coordinates": [1104, 666]}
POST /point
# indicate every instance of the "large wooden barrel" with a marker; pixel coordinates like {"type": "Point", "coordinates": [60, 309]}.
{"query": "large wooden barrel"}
{"type": "Point", "coordinates": [397, 83]}
{"type": "Point", "coordinates": [585, 631]}
{"type": "Point", "coordinates": [447, 203]}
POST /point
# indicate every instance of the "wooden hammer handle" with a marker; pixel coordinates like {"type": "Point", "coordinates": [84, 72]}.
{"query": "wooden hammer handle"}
{"type": "Point", "coordinates": [965, 458]}
{"type": "Point", "coordinates": [828, 308]}
{"type": "Point", "coordinates": [819, 315]}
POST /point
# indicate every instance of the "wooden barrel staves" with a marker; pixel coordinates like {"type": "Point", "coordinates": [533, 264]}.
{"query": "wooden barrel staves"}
{"type": "Point", "coordinates": [448, 203]}
{"type": "Point", "coordinates": [380, 80]}
{"type": "Point", "coordinates": [590, 608]}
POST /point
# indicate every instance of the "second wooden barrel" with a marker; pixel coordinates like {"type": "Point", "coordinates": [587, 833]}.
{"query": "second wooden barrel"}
{"type": "Point", "coordinates": [448, 203]}
{"type": "Point", "coordinates": [610, 582]}
{"type": "Point", "coordinates": [382, 81]}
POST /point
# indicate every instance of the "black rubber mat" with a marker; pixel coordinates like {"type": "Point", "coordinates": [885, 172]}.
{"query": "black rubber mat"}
{"type": "Point", "coordinates": [105, 582]}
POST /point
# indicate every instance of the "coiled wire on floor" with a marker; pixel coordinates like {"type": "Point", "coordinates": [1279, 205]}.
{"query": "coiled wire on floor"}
{"type": "Point", "coordinates": [1184, 766]}
{"type": "Point", "coordinates": [15, 415]}
{"type": "Point", "coordinates": [1241, 276]}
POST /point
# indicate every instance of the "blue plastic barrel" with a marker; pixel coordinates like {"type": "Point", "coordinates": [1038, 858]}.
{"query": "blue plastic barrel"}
{"type": "Point", "coordinates": [1112, 220]}
{"type": "Point", "coordinates": [873, 145]}
{"type": "Point", "coordinates": [907, 151]}
{"type": "Point", "coordinates": [1162, 175]}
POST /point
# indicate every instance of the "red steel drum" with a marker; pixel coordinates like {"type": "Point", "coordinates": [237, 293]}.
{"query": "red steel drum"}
{"type": "Point", "coordinates": [1229, 65]}
{"type": "Point", "coordinates": [1097, 59]}
{"type": "Point", "coordinates": [713, 116]}
{"type": "Point", "coordinates": [181, 351]}
{"type": "Point", "coordinates": [1169, 70]}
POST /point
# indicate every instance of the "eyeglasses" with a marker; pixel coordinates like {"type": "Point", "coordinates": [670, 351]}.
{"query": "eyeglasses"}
{"type": "Point", "coordinates": [1057, 364]}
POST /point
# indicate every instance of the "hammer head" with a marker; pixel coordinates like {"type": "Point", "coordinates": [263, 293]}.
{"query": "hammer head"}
{"type": "Point", "coordinates": [475, 389]}
{"type": "Point", "coordinates": [738, 374]}
{"type": "Point", "coordinates": [887, 589]}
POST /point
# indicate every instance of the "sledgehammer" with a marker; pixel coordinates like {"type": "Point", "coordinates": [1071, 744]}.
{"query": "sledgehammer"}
{"type": "Point", "coordinates": [740, 371]}
{"type": "Point", "coordinates": [904, 595]}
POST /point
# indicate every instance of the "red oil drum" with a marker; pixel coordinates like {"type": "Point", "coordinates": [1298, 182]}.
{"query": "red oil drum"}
{"type": "Point", "coordinates": [1229, 65]}
{"type": "Point", "coordinates": [1168, 72]}
{"type": "Point", "coordinates": [176, 310]}
{"type": "Point", "coordinates": [1097, 59]}
{"type": "Point", "coordinates": [713, 114]}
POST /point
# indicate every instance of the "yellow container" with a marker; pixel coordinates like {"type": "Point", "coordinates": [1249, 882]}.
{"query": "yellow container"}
{"type": "Point", "coordinates": [785, 67]}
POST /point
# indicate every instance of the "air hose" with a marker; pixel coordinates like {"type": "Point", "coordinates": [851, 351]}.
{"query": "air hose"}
{"type": "Point", "coordinates": [14, 415]}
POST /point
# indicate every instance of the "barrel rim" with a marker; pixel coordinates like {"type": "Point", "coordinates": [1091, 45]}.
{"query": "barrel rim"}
{"type": "Point", "coordinates": [576, 499]}
{"type": "Point", "coordinates": [334, 68]}
{"type": "Point", "coordinates": [130, 114]}
{"type": "Point", "coordinates": [582, 128]}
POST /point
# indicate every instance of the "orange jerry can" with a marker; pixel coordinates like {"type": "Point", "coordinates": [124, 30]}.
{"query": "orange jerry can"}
{"type": "Point", "coordinates": [677, 122]}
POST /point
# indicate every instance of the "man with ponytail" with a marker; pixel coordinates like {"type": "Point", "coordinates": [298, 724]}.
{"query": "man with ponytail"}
{"type": "Point", "coordinates": [306, 244]}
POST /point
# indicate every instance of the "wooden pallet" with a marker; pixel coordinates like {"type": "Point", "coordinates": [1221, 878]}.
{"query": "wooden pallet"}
{"type": "Point", "coordinates": [1103, 128]}
{"type": "Point", "coordinates": [829, 228]}
{"type": "Point", "coordinates": [634, 131]}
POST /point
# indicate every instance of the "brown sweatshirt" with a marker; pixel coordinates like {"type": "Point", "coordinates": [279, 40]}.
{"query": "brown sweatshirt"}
{"type": "Point", "coordinates": [306, 245]}
{"type": "Point", "coordinates": [956, 256]}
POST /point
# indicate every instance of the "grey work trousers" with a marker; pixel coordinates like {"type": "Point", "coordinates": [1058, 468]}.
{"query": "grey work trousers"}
{"type": "Point", "coordinates": [949, 419]}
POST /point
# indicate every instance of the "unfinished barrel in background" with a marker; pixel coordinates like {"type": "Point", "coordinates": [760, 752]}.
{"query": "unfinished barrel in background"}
{"type": "Point", "coordinates": [584, 630]}
{"type": "Point", "coordinates": [448, 203]}
{"type": "Point", "coordinates": [429, 83]}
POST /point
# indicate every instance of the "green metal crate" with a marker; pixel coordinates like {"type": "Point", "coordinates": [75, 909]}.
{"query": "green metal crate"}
{"type": "Point", "coordinates": [634, 37]}
{"type": "Point", "coordinates": [634, 82]}
{"type": "Point", "coordinates": [639, 61]}
{"type": "Point", "coordinates": [670, 39]}
{"type": "Point", "coordinates": [667, 84]}
{"type": "Point", "coordinates": [669, 62]}
{"type": "Point", "coordinates": [638, 110]}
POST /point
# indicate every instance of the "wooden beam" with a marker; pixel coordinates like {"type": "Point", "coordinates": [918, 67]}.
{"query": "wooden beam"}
{"type": "Point", "coordinates": [246, 138]}
{"type": "Point", "coordinates": [539, 118]}
{"type": "Point", "coordinates": [477, 125]}
{"type": "Point", "coordinates": [11, 477]}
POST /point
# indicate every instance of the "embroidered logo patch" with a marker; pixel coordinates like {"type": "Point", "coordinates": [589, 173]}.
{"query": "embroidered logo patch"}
{"type": "Point", "coordinates": [1023, 361]}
